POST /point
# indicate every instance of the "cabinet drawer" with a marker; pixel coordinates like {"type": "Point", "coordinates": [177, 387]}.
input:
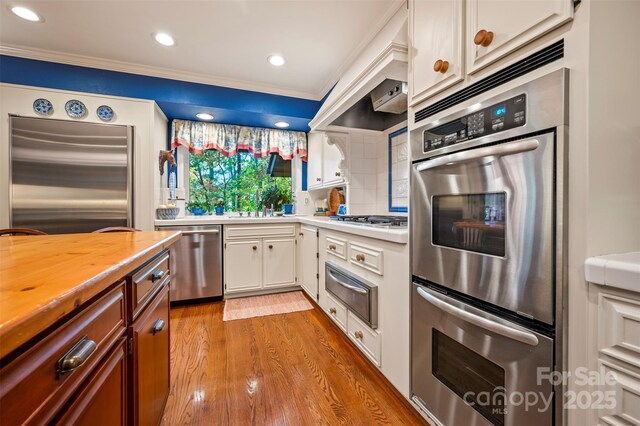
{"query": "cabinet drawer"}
{"type": "Point", "coordinates": [248, 231]}
{"type": "Point", "coordinates": [337, 311]}
{"type": "Point", "coordinates": [144, 283]}
{"type": "Point", "coordinates": [366, 339]}
{"type": "Point", "coordinates": [366, 257]}
{"type": "Point", "coordinates": [149, 368]}
{"type": "Point", "coordinates": [337, 247]}
{"type": "Point", "coordinates": [34, 386]}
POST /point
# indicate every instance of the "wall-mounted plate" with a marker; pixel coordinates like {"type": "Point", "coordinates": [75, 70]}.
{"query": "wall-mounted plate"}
{"type": "Point", "coordinates": [43, 107]}
{"type": "Point", "coordinates": [105, 113]}
{"type": "Point", "coordinates": [75, 109]}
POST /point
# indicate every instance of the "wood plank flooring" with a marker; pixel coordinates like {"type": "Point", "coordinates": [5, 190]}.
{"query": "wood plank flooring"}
{"type": "Point", "coordinates": [291, 369]}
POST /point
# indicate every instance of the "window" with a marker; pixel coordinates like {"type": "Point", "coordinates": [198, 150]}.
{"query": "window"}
{"type": "Point", "coordinates": [235, 180]}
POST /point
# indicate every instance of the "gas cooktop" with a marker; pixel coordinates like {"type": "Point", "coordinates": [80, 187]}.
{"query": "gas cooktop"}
{"type": "Point", "coordinates": [375, 220]}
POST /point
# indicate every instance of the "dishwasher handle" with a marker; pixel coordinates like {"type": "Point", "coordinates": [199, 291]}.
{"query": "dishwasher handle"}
{"type": "Point", "coordinates": [203, 231]}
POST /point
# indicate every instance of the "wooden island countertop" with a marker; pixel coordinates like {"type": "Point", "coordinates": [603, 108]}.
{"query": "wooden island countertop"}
{"type": "Point", "coordinates": [44, 278]}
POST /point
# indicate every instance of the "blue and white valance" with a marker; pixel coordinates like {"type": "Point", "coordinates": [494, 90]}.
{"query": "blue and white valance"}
{"type": "Point", "coordinates": [229, 139]}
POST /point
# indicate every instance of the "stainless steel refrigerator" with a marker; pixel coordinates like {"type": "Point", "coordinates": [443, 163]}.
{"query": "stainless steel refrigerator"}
{"type": "Point", "coordinates": [70, 176]}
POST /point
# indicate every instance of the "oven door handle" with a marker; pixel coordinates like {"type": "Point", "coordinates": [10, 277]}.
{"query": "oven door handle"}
{"type": "Point", "coordinates": [478, 153]}
{"type": "Point", "coordinates": [487, 324]}
{"type": "Point", "coordinates": [349, 286]}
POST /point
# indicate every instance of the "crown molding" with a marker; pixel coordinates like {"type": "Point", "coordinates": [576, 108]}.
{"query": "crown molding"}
{"type": "Point", "coordinates": [151, 71]}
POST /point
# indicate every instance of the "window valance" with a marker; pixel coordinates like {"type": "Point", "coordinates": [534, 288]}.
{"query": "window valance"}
{"type": "Point", "coordinates": [228, 139]}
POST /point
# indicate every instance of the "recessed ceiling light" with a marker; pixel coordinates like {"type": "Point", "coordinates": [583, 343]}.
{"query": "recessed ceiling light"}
{"type": "Point", "coordinates": [276, 60]}
{"type": "Point", "coordinates": [204, 116]}
{"type": "Point", "coordinates": [25, 13]}
{"type": "Point", "coordinates": [164, 39]}
{"type": "Point", "coordinates": [282, 124]}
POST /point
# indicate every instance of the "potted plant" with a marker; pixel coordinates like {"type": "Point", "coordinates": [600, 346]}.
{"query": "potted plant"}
{"type": "Point", "coordinates": [271, 197]}
{"type": "Point", "coordinates": [285, 199]}
{"type": "Point", "coordinates": [198, 208]}
{"type": "Point", "coordinates": [219, 207]}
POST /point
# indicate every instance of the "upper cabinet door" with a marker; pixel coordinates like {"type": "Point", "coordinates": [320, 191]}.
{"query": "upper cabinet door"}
{"type": "Point", "coordinates": [435, 47]}
{"type": "Point", "coordinates": [314, 160]}
{"type": "Point", "coordinates": [496, 28]}
{"type": "Point", "coordinates": [331, 160]}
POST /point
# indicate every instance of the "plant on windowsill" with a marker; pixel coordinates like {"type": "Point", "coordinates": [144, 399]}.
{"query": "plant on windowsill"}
{"type": "Point", "coordinates": [219, 206]}
{"type": "Point", "coordinates": [198, 208]}
{"type": "Point", "coordinates": [286, 200]}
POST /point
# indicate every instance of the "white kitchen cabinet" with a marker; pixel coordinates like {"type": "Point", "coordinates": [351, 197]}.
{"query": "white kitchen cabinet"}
{"type": "Point", "coordinates": [324, 160]}
{"type": "Point", "coordinates": [615, 318]}
{"type": "Point", "coordinates": [331, 159]}
{"type": "Point", "coordinates": [314, 160]}
{"type": "Point", "coordinates": [243, 265]}
{"type": "Point", "coordinates": [435, 52]}
{"type": "Point", "coordinates": [495, 28]}
{"type": "Point", "coordinates": [258, 258]}
{"type": "Point", "coordinates": [308, 245]}
{"type": "Point", "coordinates": [279, 262]}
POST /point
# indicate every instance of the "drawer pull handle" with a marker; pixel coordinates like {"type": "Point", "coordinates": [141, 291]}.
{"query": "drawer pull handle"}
{"type": "Point", "coordinates": [157, 276]}
{"type": "Point", "coordinates": [441, 66]}
{"type": "Point", "coordinates": [358, 335]}
{"type": "Point", "coordinates": [270, 246]}
{"type": "Point", "coordinates": [360, 257]}
{"type": "Point", "coordinates": [332, 247]}
{"type": "Point", "coordinates": [77, 355]}
{"type": "Point", "coordinates": [158, 326]}
{"type": "Point", "coordinates": [255, 248]}
{"type": "Point", "coordinates": [332, 311]}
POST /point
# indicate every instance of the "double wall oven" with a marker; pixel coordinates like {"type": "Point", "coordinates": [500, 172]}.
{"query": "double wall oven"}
{"type": "Point", "coordinates": [487, 241]}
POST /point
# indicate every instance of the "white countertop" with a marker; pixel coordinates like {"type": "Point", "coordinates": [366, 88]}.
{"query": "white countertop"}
{"type": "Point", "coordinates": [615, 270]}
{"type": "Point", "coordinates": [400, 236]}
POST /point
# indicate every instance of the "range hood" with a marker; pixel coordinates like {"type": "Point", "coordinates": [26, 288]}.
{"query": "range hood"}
{"type": "Point", "coordinates": [390, 96]}
{"type": "Point", "coordinates": [382, 108]}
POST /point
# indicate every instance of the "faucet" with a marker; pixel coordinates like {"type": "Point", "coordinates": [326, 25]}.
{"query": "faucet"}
{"type": "Point", "coordinates": [258, 201]}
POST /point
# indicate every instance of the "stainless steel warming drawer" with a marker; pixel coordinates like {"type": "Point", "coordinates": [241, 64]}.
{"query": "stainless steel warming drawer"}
{"type": "Point", "coordinates": [359, 296]}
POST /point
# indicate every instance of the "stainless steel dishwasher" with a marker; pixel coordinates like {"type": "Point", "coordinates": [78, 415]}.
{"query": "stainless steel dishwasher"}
{"type": "Point", "coordinates": [196, 263]}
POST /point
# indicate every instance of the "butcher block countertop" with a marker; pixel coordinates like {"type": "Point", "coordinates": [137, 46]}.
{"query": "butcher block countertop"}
{"type": "Point", "coordinates": [44, 278]}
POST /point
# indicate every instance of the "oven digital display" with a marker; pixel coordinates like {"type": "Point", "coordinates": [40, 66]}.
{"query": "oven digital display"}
{"type": "Point", "coordinates": [499, 111]}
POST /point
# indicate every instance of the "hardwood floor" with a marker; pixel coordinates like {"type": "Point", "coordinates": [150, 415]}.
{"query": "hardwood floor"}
{"type": "Point", "coordinates": [291, 369]}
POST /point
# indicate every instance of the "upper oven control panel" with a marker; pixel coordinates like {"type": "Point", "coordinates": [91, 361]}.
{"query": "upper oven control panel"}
{"type": "Point", "coordinates": [492, 119]}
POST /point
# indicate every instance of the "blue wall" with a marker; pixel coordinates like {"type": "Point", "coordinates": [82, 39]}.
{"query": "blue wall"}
{"type": "Point", "coordinates": [177, 99]}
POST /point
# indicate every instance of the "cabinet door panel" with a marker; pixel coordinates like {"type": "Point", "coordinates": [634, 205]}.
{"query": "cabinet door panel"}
{"type": "Point", "coordinates": [314, 160]}
{"type": "Point", "coordinates": [103, 398]}
{"type": "Point", "coordinates": [513, 24]}
{"type": "Point", "coordinates": [243, 265]}
{"type": "Point", "coordinates": [309, 260]}
{"type": "Point", "coordinates": [279, 262]}
{"type": "Point", "coordinates": [331, 159]}
{"type": "Point", "coordinates": [150, 366]}
{"type": "Point", "coordinates": [435, 31]}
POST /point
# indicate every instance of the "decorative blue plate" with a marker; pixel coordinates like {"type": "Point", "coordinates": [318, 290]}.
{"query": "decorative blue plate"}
{"type": "Point", "coordinates": [105, 113]}
{"type": "Point", "coordinates": [75, 109]}
{"type": "Point", "coordinates": [42, 107]}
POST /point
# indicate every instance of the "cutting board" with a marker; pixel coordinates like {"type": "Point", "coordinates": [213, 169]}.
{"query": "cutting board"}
{"type": "Point", "coordinates": [335, 199]}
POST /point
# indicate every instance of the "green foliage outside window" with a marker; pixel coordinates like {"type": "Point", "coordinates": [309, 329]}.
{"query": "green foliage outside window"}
{"type": "Point", "coordinates": [232, 181]}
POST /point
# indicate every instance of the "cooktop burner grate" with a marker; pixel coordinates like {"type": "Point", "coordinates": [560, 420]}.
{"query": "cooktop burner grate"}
{"type": "Point", "coordinates": [380, 220]}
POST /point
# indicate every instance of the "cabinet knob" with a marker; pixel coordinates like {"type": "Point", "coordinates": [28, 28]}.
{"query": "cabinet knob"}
{"type": "Point", "coordinates": [301, 234]}
{"type": "Point", "coordinates": [156, 276]}
{"type": "Point", "coordinates": [358, 335]}
{"type": "Point", "coordinates": [270, 246]}
{"type": "Point", "coordinates": [338, 174]}
{"type": "Point", "coordinates": [360, 257]}
{"type": "Point", "coordinates": [255, 247]}
{"type": "Point", "coordinates": [332, 246]}
{"type": "Point", "coordinates": [483, 38]}
{"type": "Point", "coordinates": [441, 66]}
{"type": "Point", "coordinates": [318, 179]}
{"type": "Point", "coordinates": [332, 310]}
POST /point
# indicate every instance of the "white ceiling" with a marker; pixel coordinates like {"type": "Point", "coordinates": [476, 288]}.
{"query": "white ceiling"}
{"type": "Point", "coordinates": [222, 42]}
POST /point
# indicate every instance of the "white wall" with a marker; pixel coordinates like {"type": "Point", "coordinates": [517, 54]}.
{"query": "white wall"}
{"type": "Point", "coordinates": [148, 139]}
